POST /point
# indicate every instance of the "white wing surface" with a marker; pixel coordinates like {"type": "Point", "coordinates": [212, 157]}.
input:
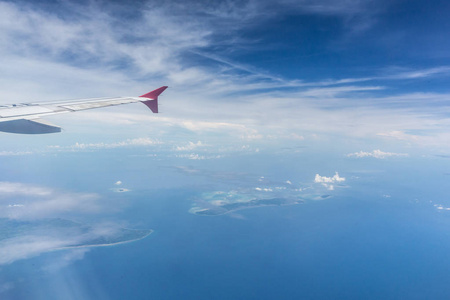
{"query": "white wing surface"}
{"type": "Point", "coordinates": [25, 117]}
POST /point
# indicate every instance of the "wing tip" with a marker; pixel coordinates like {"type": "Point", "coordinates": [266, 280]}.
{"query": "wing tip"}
{"type": "Point", "coordinates": [153, 95]}
{"type": "Point", "coordinates": [152, 98]}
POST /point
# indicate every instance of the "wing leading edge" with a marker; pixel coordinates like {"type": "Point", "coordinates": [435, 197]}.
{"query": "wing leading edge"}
{"type": "Point", "coordinates": [25, 118]}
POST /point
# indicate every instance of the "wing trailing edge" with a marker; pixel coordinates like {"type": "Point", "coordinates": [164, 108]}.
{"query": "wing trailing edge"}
{"type": "Point", "coordinates": [24, 117]}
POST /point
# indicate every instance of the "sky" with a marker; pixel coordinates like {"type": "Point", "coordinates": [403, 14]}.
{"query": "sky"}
{"type": "Point", "coordinates": [372, 73]}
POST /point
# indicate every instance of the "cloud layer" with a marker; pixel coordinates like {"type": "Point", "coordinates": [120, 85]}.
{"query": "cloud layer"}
{"type": "Point", "coordinates": [376, 154]}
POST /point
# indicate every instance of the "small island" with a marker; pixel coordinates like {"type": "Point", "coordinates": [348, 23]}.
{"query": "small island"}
{"type": "Point", "coordinates": [223, 207]}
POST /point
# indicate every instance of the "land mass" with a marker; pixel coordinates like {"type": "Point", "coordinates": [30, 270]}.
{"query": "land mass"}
{"type": "Point", "coordinates": [224, 208]}
{"type": "Point", "coordinates": [68, 234]}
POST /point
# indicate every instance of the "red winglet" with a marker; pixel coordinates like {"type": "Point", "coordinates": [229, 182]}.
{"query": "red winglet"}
{"type": "Point", "coordinates": [152, 103]}
{"type": "Point", "coordinates": [153, 95]}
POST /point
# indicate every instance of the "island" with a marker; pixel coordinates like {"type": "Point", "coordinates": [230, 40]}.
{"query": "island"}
{"type": "Point", "coordinates": [222, 207]}
{"type": "Point", "coordinates": [68, 234]}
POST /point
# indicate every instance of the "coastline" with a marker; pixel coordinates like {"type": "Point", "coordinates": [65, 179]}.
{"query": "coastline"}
{"type": "Point", "coordinates": [106, 245]}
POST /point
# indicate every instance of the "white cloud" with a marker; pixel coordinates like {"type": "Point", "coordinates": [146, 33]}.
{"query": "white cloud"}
{"type": "Point", "coordinates": [16, 189]}
{"type": "Point", "coordinates": [129, 142]}
{"type": "Point", "coordinates": [421, 73]}
{"type": "Point", "coordinates": [195, 156]}
{"type": "Point", "coordinates": [190, 146]}
{"type": "Point", "coordinates": [332, 92]}
{"type": "Point", "coordinates": [335, 178]}
{"type": "Point", "coordinates": [400, 135]}
{"type": "Point", "coordinates": [376, 154]}
{"type": "Point", "coordinates": [137, 142]}
{"type": "Point", "coordinates": [38, 202]}
{"type": "Point", "coordinates": [328, 182]}
{"type": "Point", "coordinates": [437, 135]}
{"type": "Point", "coordinates": [15, 153]}
{"type": "Point", "coordinates": [118, 182]}
{"type": "Point", "coordinates": [26, 246]}
{"type": "Point", "coordinates": [441, 207]}
{"type": "Point", "coordinates": [264, 189]}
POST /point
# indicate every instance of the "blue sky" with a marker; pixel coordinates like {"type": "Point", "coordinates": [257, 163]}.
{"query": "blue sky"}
{"type": "Point", "coordinates": [362, 76]}
{"type": "Point", "coordinates": [353, 70]}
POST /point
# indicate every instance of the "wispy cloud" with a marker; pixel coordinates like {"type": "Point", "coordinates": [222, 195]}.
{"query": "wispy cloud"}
{"type": "Point", "coordinates": [97, 146]}
{"type": "Point", "coordinates": [66, 259]}
{"type": "Point", "coordinates": [190, 146]}
{"type": "Point", "coordinates": [9, 189]}
{"type": "Point", "coordinates": [26, 201]}
{"type": "Point", "coordinates": [195, 156]}
{"type": "Point", "coordinates": [15, 153]}
{"type": "Point", "coordinates": [27, 246]}
{"type": "Point", "coordinates": [35, 238]}
{"type": "Point", "coordinates": [329, 7]}
{"type": "Point", "coordinates": [420, 73]}
{"type": "Point", "coordinates": [376, 154]}
{"type": "Point", "coordinates": [437, 137]}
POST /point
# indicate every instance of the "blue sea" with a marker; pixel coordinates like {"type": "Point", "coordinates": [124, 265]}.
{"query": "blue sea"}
{"type": "Point", "coordinates": [380, 236]}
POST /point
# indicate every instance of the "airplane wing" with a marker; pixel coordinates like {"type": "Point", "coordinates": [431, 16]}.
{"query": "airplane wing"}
{"type": "Point", "coordinates": [25, 117]}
